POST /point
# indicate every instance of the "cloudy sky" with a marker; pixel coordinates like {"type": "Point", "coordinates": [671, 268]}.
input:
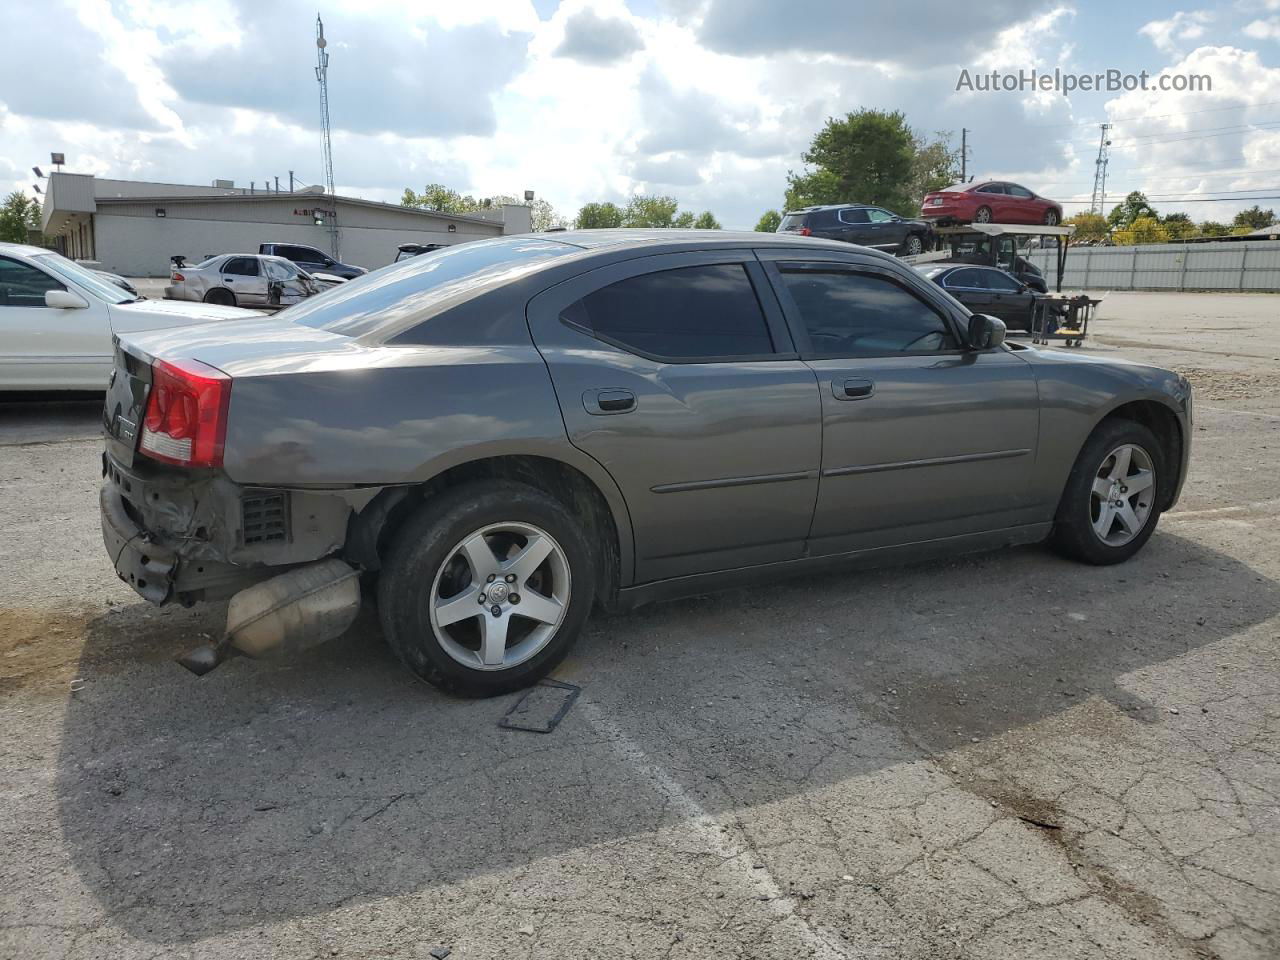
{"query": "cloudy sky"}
{"type": "Point", "coordinates": [711, 101]}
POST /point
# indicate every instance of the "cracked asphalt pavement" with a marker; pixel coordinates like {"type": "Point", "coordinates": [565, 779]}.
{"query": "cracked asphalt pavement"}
{"type": "Point", "coordinates": [1006, 755]}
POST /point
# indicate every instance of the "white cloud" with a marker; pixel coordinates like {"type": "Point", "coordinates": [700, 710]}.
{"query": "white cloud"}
{"type": "Point", "coordinates": [1268, 29]}
{"type": "Point", "coordinates": [1169, 35]}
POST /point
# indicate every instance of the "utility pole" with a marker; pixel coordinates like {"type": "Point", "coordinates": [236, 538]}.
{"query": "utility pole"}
{"type": "Point", "coordinates": [1098, 202]}
{"type": "Point", "coordinates": [322, 77]}
{"type": "Point", "coordinates": [964, 154]}
{"type": "Point", "coordinates": [291, 181]}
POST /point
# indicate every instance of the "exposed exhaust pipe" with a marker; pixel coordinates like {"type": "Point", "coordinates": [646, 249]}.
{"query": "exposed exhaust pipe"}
{"type": "Point", "coordinates": [284, 615]}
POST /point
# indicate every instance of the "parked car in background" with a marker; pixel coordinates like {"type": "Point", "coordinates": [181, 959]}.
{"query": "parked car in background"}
{"type": "Point", "coordinates": [57, 319]}
{"type": "Point", "coordinates": [407, 250]}
{"type": "Point", "coordinates": [241, 280]}
{"type": "Point", "coordinates": [507, 432]}
{"type": "Point", "coordinates": [986, 290]}
{"type": "Point", "coordinates": [862, 224]}
{"type": "Point", "coordinates": [997, 251]}
{"type": "Point", "coordinates": [120, 282]}
{"type": "Point", "coordinates": [989, 201]}
{"type": "Point", "coordinates": [311, 260]}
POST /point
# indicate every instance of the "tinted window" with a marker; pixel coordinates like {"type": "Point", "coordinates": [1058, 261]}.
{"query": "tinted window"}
{"type": "Point", "coordinates": [241, 266]}
{"type": "Point", "coordinates": [992, 188]}
{"type": "Point", "coordinates": [1017, 191]}
{"type": "Point", "coordinates": [966, 278]}
{"type": "Point", "coordinates": [857, 215]}
{"type": "Point", "coordinates": [861, 315]}
{"type": "Point", "coordinates": [792, 221]}
{"type": "Point", "coordinates": [24, 286]}
{"type": "Point", "coordinates": [692, 313]}
{"type": "Point", "coordinates": [387, 301]}
{"type": "Point", "coordinates": [998, 280]}
{"type": "Point", "coordinates": [301, 254]}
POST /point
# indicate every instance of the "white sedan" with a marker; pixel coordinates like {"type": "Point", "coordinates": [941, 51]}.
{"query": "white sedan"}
{"type": "Point", "coordinates": [57, 320]}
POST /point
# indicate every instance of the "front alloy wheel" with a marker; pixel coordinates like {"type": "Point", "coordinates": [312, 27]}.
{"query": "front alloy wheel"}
{"type": "Point", "coordinates": [500, 596]}
{"type": "Point", "coordinates": [913, 246]}
{"type": "Point", "coordinates": [1123, 494]}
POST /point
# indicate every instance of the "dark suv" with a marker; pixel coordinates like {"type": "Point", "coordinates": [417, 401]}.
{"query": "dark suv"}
{"type": "Point", "coordinates": [312, 260]}
{"type": "Point", "coordinates": [863, 224]}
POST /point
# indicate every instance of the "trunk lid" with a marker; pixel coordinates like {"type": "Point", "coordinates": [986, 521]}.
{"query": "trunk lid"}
{"type": "Point", "coordinates": [126, 403]}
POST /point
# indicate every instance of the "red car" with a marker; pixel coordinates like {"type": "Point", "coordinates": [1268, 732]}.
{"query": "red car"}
{"type": "Point", "coordinates": [989, 201]}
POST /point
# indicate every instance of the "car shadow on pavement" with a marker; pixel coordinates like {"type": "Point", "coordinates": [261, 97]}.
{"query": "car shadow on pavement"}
{"type": "Point", "coordinates": [268, 791]}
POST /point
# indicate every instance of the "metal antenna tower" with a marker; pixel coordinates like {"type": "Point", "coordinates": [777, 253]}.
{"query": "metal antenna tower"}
{"type": "Point", "coordinates": [322, 76]}
{"type": "Point", "coordinates": [1099, 200]}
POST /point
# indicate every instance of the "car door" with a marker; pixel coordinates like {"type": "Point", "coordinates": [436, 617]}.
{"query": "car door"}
{"type": "Point", "coordinates": [1023, 205]}
{"type": "Point", "coordinates": [992, 196]}
{"type": "Point", "coordinates": [309, 259]}
{"type": "Point", "coordinates": [677, 374]}
{"type": "Point", "coordinates": [44, 347]}
{"type": "Point", "coordinates": [855, 226]}
{"type": "Point", "coordinates": [967, 286]}
{"type": "Point", "coordinates": [886, 229]}
{"type": "Point", "coordinates": [244, 277]}
{"type": "Point", "coordinates": [922, 438]}
{"type": "Point", "coordinates": [1011, 299]}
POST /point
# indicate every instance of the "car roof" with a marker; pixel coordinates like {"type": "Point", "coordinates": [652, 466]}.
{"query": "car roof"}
{"type": "Point", "coordinates": [833, 206]}
{"type": "Point", "coordinates": [674, 240]}
{"type": "Point", "coordinates": [24, 249]}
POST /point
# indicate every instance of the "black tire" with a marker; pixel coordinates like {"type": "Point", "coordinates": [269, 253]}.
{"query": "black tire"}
{"type": "Point", "coordinates": [221, 296]}
{"type": "Point", "coordinates": [1051, 218]}
{"type": "Point", "coordinates": [913, 245]}
{"type": "Point", "coordinates": [982, 215]}
{"type": "Point", "coordinates": [1073, 534]}
{"type": "Point", "coordinates": [428, 541]}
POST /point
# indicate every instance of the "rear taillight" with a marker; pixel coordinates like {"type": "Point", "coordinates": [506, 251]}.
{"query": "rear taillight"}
{"type": "Point", "coordinates": [186, 418]}
{"type": "Point", "coordinates": [178, 278]}
{"type": "Point", "coordinates": [806, 232]}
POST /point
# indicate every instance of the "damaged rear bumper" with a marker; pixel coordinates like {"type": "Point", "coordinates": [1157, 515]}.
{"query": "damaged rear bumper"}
{"type": "Point", "coordinates": [181, 536]}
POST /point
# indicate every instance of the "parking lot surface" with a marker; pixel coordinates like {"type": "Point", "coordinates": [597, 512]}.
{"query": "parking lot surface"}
{"type": "Point", "coordinates": [1006, 755]}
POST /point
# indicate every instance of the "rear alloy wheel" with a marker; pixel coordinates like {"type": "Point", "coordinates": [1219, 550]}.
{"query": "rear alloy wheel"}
{"type": "Point", "coordinates": [221, 296]}
{"type": "Point", "coordinates": [913, 245]}
{"type": "Point", "coordinates": [983, 215]}
{"type": "Point", "coordinates": [1051, 218]}
{"type": "Point", "coordinates": [486, 588]}
{"type": "Point", "coordinates": [1111, 503]}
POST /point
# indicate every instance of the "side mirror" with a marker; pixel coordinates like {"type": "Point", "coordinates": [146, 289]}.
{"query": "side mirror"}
{"type": "Point", "coordinates": [985, 332]}
{"type": "Point", "coordinates": [64, 300]}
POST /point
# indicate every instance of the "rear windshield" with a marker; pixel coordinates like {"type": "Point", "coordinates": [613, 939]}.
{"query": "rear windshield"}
{"type": "Point", "coordinates": [792, 221]}
{"type": "Point", "coordinates": [415, 289]}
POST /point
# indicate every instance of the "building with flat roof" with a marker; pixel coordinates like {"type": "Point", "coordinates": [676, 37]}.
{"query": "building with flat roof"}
{"type": "Point", "coordinates": [133, 227]}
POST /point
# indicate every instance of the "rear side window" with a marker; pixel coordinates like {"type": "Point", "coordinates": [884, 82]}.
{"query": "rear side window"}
{"type": "Point", "coordinates": [850, 314]}
{"type": "Point", "coordinates": [856, 215]}
{"type": "Point", "coordinates": [689, 314]}
{"type": "Point", "coordinates": [992, 188]}
{"type": "Point", "coordinates": [241, 266]}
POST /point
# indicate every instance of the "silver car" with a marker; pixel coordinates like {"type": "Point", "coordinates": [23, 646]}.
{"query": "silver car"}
{"type": "Point", "coordinates": [508, 432]}
{"type": "Point", "coordinates": [242, 280]}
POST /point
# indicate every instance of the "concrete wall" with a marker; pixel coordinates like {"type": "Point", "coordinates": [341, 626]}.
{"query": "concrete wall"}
{"type": "Point", "coordinates": [1225, 265]}
{"type": "Point", "coordinates": [131, 240]}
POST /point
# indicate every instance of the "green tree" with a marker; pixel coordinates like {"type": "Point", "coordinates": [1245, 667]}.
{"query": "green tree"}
{"type": "Point", "coordinates": [1133, 206]}
{"type": "Point", "coordinates": [866, 157]}
{"type": "Point", "coordinates": [769, 222]}
{"type": "Point", "coordinates": [599, 216]}
{"type": "Point", "coordinates": [1255, 218]}
{"type": "Point", "coordinates": [1211, 228]}
{"type": "Point", "coordinates": [707, 221]}
{"type": "Point", "coordinates": [1178, 226]}
{"type": "Point", "coordinates": [1090, 227]}
{"type": "Point", "coordinates": [542, 214]}
{"type": "Point", "coordinates": [19, 215]}
{"type": "Point", "coordinates": [684, 220]}
{"type": "Point", "coordinates": [935, 165]}
{"type": "Point", "coordinates": [647, 211]}
{"type": "Point", "coordinates": [1142, 230]}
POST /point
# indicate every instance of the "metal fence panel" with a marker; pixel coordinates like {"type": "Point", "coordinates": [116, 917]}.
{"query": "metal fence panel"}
{"type": "Point", "coordinates": [1225, 265]}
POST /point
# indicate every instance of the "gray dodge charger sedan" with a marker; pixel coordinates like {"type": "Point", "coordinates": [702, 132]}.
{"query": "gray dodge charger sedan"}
{"type": "Point", "coordinates": [501, 434]}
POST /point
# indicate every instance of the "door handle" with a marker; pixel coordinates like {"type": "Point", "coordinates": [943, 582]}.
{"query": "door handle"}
{"type": "Point", "coordinates": [606, 402]}
{"type": "Point", "coordinates": [854, 388]}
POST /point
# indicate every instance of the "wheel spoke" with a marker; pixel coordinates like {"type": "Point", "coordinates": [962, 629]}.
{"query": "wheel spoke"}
{"type": "Point", "coordinates": [1102, 488]}
{"type": "Point", "coordinates": [480, 558]}
{"type": "Point", "coordinates": [1128, 519]}
{"type": "Point", "coordinates": [1106, 515]}
{"type": "Point", "coordinates": [529, 559]}
{"type": "Point", "coordinates": [464, 605]}
{"type": "Point", "coordinates": [537, 607]}
{"type": "Point", "coordinates": [1139, 481]}
{"type": "Point", "coordinates": [493, 640]}
{"type": "Point", "coordinates": [1120, 469]}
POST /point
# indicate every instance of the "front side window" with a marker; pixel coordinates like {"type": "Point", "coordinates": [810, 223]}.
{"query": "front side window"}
{"type": "Point", "coordinates": [971, 279]}
{"type": "Point", "coordinates": [999, 280]}
{"type": "Point", "coordinates": [877, 215]}
{"type": "Point", "coordinates": [22, 285]}
{"type": "Point", "coordinates": [849, 314]}
{"type": "Point", "coordinates": [302, 255]}
{"type": "Point", "coordinates": [241, 266]}
{"type": "Point", "coordinates": [1017, 191]}
{"type": "Point", "coordinates": [687, 314]}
